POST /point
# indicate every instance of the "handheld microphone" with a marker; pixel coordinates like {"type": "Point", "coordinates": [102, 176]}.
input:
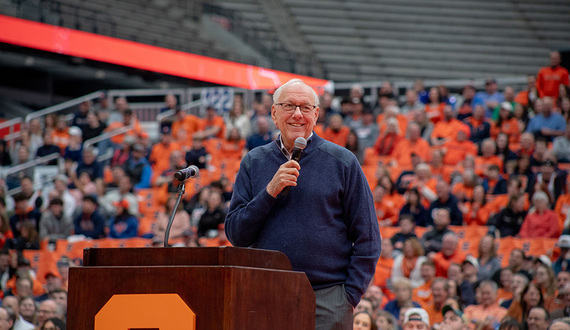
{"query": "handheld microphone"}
{"type": "Point", "coordinates": [187, 173]}
{"type": "Point", "coordinates": [300, 144]}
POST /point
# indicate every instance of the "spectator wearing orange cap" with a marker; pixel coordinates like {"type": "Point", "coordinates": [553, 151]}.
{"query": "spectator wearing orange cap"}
{"type": "Point", "coordinates": [53, 283]}
{"type": "Point", "coordinates": [123, 224]}
{"type": "Point", "coordinates": [457, 149]}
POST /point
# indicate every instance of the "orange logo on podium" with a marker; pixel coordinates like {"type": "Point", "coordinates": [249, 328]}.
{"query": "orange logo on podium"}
{"type": "Point", "coordinates": [145, 311]}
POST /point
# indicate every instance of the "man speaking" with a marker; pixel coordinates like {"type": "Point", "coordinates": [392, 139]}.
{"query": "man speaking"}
{"type": "Point", "coordinates": [325, 223]}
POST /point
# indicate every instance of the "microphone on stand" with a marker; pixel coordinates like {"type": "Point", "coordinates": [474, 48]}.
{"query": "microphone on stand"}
{"type": "Point", "coordinates": [187, 173]}
{"type": "Point", "coordinates": [182, 175]}
{"type": "Point", "coordinates": [300, 144]}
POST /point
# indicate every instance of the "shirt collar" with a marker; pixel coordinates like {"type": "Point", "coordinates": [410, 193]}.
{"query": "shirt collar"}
{"type": "Point", "coordinates": [284, 150]}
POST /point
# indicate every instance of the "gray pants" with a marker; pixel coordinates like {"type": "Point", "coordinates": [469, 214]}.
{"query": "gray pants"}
{"type": "Point", "coordinates": [334, 312]}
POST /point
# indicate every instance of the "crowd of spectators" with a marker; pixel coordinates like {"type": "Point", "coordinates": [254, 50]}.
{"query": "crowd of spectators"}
{"type": "Point", "coordinates": [495, 158]}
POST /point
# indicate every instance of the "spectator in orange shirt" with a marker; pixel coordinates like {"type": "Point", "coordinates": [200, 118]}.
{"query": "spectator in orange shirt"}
{"type": "Point", "coordinates": [439, 291]}
{"type": "Point", "coordinates": [446, 129]}
{"type": "Point", "coordinates": [60, 134]}
{"type": "Point", "coordinates": [336, 132]}
{"type": "Point", "coordinates": [457, 149]}
{"type": "Point", "coordinates": [563, 205]}
{"type": "Point", "coordinates": [392, 197]}
{"type": "Point", "coordinates": [414, 144]}
{"type": "Point", "coordinates": [529, 94]}
{"type": "Point", "coordinates": [232, 147]}
{"type": "Point", "coordinates": [449, 254]}
{"type": "Point", "coordinates": [474, 213]}
{"type": "Point", "coordinates": [506, 123]}
{"type": "Point", "coordinates": [212, 126]}
{"type": "Point", "coordinates": [434, 109]}
{"type": "Point", "coordinates": [187, 122]}
{"type": "Point", "coordinates": [438, 169]}
{"type": "Point", "coordinates": [422, 293]}
{"type": "Point", "coordinates": [488, 157]}
{"type": "Point", "coordinates": [127, 119]}
{"type": "Point", "coordinates": [550, 78]}
{"type": "Point", "coordinates": [387, 215]}
{"type": "Point", "coordinates": [160, 152]}
{"type": "Point", "coordinates": [384, 265]}
{"type": "Point", "coordinates": [463, 190]}
{"type": "Point", "coordinates": [529, 297]}
{"type": "Point", "coordinates": [488, 311]}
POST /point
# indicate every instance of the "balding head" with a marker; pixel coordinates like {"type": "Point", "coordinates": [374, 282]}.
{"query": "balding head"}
{"type": "Point", "coordinates": [48, 309]}
{"type": "Point", "coordinates": [12, 303]}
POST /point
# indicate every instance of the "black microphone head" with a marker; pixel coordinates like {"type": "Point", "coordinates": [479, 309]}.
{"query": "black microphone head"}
{"type": "Point", "coordinates": [187, 173]}
{"type": "Point", "coordinates": [300, 143]}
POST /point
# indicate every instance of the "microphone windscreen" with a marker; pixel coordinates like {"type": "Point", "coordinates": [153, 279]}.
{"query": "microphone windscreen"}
{"type": "Point", "coordinates": [300, 143]}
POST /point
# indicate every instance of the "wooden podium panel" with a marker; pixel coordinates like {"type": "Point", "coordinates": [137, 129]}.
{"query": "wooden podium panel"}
{"type": "Point", "coordinates": [223, 296]}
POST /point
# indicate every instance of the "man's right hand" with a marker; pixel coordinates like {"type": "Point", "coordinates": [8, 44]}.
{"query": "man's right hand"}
{"type": "Point", "coordinates": [285, 176]}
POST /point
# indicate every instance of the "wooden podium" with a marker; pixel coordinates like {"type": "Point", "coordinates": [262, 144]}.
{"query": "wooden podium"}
{"type": "Point", "coordinates": [226, 288]}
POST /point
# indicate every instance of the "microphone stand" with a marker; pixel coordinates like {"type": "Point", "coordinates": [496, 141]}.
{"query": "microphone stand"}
{"type": "Point", "coordinates": [181, 190]}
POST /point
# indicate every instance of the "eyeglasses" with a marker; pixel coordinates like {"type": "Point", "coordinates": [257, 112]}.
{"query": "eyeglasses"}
{"type": "Point", "coordinates": [290, 107]}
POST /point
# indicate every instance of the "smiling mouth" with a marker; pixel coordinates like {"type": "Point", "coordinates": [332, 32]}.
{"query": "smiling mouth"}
{"type": "Point", "coordinates": [296, 125]}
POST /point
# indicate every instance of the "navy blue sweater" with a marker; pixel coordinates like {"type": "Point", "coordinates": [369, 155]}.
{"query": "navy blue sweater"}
{"type": "Point", "coordinates": [326, 224]}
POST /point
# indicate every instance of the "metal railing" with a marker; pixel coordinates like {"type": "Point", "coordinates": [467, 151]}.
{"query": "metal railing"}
{"type": "Point", "coordinates": [31, 163]}
{"type": "Point", "coordinates": [62, 106]}
{"type": "Point", "coordinates": [169, 113]}
{"type": "Point", "coordinates": [108, 135]}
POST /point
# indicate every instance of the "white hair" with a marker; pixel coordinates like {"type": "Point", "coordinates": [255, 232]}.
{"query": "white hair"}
{"type": "Point", "coordinates": [278, 91]}
{"type": "Point", "coordinates": [451, 235]}
{"type": "Point", "coordinates": [540, 195]}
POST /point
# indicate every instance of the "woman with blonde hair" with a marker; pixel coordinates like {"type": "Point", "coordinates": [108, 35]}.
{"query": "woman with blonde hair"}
{"type": "Point", "coordinates": [408, 264]}
{"type": "Point", "coordinates": [546, 282]}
